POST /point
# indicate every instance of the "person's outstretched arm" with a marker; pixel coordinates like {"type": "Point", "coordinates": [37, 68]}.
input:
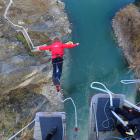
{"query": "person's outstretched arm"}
{"type": "Point", "coordinates": [44, 47]}
{"type": "Point", "coordinates": [41, 48]}
{"type": "Point", "coordinates": [70, 45]}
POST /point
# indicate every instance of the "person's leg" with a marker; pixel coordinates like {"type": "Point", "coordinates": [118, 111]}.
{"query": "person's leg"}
{"type": "Point", "coordinates": [54, 77]}
{"type": "Point", "coordinates": [59, 72]}
{"type": "Point", "coordinates": [60, 65]}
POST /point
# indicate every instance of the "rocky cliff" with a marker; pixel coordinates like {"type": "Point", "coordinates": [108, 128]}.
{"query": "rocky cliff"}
{"type": "Point", "coordinates": [126, 25]}
{"type": "Point", "coordinates": [25, 78]}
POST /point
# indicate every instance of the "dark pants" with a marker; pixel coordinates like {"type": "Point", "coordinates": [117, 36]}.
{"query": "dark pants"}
{"type": "Point", "coordinates": [49, 137]}
{"type": "Point", "coordinates": [57, 70]}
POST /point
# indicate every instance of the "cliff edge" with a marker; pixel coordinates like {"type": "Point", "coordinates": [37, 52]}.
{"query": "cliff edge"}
{"type": "Point", "coordinates": [25, 78]}
{"type": "Point", "coordinates": [126, 25]}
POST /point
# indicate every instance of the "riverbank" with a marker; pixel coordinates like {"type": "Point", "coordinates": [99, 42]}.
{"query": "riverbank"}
{"type": "Point", "coordinates": [126, 26]}
{"type": "Point", "coordinates": [25, 78]}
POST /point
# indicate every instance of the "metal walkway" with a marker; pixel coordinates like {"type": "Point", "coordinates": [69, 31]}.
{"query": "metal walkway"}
{"type": "Point", "coordinates": [41, 125]}
{"type": "Point", "coordinates": [101, 119]}
{"type": "Point", "coordinates": [19, 27]}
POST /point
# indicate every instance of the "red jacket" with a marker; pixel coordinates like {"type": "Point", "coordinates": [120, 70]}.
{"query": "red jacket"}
{"type": "Point", "coordinates": [57, 48]}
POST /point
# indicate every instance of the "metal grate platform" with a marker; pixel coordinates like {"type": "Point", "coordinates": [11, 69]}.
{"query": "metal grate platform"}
{"type": "Point", "coordinates": [45, 121]}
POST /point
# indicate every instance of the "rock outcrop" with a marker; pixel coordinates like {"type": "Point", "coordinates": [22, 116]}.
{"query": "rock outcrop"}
{"type": "Point", "coordinates": [25, 78]}
{"type": "Point", "coordinates": [126, 25]}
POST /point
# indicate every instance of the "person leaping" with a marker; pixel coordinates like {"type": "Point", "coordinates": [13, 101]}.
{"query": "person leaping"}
{"type": "Point", "coordinates": [57, 51]}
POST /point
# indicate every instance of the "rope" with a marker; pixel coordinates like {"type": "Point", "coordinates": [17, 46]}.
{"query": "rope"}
{"type": "Point", "coordinates": [22, 29]}
{"type": "Point", "coordinates": [126, 82]}
{"type": "Point", "coordinates": [107, 118]}
{"type": "Point", "coordinates": [75, 109]}
{"type": "Point", "coordinates": [106, 90]}
{"type": "Point", "coordinates": [21, 130]}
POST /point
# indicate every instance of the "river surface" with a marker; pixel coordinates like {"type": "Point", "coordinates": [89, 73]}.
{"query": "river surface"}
{"type": "Point", "coordinates": [98, 58]}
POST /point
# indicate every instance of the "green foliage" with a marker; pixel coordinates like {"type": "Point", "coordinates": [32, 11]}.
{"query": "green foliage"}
{"type": "Point", "coordinates": [22, 39]}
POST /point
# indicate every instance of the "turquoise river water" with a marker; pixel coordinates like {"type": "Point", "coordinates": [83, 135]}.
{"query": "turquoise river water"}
{"type": "Point", "coordinates": [98, 58]}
